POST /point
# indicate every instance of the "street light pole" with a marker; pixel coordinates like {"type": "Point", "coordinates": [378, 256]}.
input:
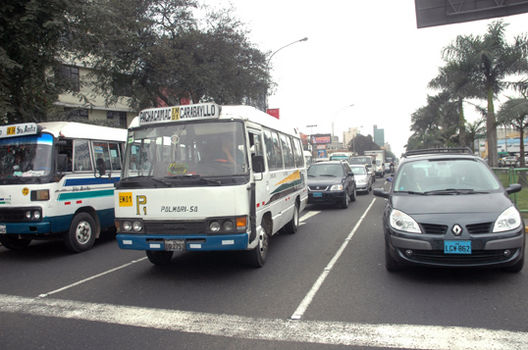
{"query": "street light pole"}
{"type": "Point", "coordinates": [274, 52]}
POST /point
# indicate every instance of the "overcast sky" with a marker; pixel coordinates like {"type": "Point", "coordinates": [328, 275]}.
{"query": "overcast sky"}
{"type": "Point", "coordinates": [368, 54]}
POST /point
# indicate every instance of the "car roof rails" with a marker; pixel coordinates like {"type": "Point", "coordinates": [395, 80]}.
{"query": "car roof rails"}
{"type": "Point", "coordinates": [452, 150]}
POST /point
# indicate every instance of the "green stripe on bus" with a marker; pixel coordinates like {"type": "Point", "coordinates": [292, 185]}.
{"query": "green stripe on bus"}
{"type": "Point", "coordinates": [82, 195]}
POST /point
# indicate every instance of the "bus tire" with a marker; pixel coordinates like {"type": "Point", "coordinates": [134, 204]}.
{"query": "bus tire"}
{"type": "Point", "coordinates": [256, 257]}
{"type": "Point", "coordinates": [292, 226]}
{"type": "Point", "coordinates": [14, 243]}
{"type": "Point", "coordinates": [81, 236]}
{"type": "Point", "coordinates": [159, 257]}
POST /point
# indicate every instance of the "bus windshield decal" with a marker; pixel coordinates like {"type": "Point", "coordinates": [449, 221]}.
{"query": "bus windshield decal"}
{"type": "Point", "coordinates": [175, 113]}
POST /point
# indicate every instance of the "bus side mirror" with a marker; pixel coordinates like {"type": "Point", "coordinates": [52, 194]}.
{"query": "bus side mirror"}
{"type": "Point", "coordinates": [257, 162]}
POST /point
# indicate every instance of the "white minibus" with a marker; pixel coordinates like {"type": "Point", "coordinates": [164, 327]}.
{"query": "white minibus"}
{"type": "Point", "coordinates": [207, 177]}
{"type": "Point", "coordinates": [57, 180]}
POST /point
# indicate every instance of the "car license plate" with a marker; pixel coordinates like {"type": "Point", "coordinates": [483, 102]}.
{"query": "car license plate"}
{"type": "Point", "coordinates": [457, 247]}
{"type": "Point", "coordinates": [3, 229]}
{"type": "Point", "coordinates": [317, 194]}
{"type": "Point", "coordinates": [175, 245]}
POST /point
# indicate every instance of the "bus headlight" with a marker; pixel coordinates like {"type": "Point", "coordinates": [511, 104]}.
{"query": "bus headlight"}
{"type": "Point", "coordinates": [127, 226]}
{"type": "Point", "coordinates": [228, 225]}
{"type": "Point", "coordinates": [137, 226]}
{"type": "Point", "coordinates": [214, 226]}
{"type": "Point", "coordinates": [33, 214]}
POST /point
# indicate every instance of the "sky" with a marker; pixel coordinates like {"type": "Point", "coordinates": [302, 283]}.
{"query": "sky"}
{"type": "Point", "coordinates": [365, 63]}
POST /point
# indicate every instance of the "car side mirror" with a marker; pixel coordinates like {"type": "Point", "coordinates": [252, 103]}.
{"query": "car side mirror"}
{"type": "Point", "coordinates": [513, 188]}
{"type": "Point", "coordinates": [379, 192]}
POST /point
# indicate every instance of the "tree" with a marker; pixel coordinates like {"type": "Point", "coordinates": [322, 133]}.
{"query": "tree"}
{"type": "Point", "coordinates": [514, 112]}
{"type": "Point", "coordinates": [360, 143]}
{"type": "Point", "coordinates": [490, 59]}
{"type": "Point", "coordinates": [474, 131]}
{"type": "Point", "coordinates": [30, 37]}
{"type": "Point", "coordinates": [158, 50]}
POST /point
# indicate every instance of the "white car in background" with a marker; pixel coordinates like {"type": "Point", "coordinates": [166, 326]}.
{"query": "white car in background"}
{"type": "Point", "coordinates": [363, 177]}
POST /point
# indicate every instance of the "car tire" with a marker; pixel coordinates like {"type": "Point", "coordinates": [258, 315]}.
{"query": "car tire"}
{"type": "Point", "coordinates": [14, 243]}
{"type": "Point", "coordinates": [159, 257]}
{"type": "Point", "coordinates": [256, 257]}
{"type": "Point", "coordinates": [292, 226]}
{"type": "Point", "coordinates": [81, 235]}
{"type": "Point", "coordinates": [391, 265]}
{"type": "Point", "coordinates": [345, 201]}
{"type": "Point", "coordinates": [353, 196]}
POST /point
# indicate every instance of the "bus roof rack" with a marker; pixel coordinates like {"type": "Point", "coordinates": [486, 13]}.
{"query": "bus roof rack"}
{"type": "Point", "coordinates": [453, 150]}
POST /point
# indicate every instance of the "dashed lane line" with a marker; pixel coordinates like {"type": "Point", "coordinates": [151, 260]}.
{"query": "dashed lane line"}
{"type": "Point", "coordinates": [44, 295]}
{"type": "Point", "coordinates": [307, 300]}
{"type": "Point", "coordinates": [302, 331]}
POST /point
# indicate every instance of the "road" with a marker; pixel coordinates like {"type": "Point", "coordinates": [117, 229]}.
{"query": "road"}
{"type": "Point", "coordinates": [324, 287]}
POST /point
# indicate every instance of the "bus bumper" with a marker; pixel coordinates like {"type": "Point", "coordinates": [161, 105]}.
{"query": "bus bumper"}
{"type": "Point", "coordinates": [194, 242]}
{"type": "Point", "coordinates": [25, 228]}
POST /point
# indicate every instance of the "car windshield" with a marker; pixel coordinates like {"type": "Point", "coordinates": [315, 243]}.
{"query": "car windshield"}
{"type": "Point", "coordinates": [445, 176]}
{"type": "Point", "coordinates": [330, 170]}
{"type": "Point", "coordinates": [359, 170]}
{"type": "Point", "coordinates": [189, 150]}
{"type": "Point", "coordinates": [25, 159]}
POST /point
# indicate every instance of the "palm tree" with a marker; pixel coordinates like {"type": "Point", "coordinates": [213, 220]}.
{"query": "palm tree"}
{"type": "Point", "coordinates": [474, 130]}
{"type": "Point", "coordinates": [490, 59]}
{"type": "Point", "coordinates": [514, 112]}
{"type": "Point", "coordinates": [454, 80]}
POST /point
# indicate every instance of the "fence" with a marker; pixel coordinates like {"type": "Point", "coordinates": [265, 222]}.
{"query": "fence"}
{"type": "Point", "coordinates": [509, 176]}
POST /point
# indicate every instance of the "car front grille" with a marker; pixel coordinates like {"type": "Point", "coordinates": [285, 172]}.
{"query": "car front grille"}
{"type": "Point", "coordinates": [433, 229]}
{"type": "Point", "coordinates": [484, 227]}
{"type": "Point", "coordinates": [318, 188]}
{"type": "Point", "coordinates": [476, 257]}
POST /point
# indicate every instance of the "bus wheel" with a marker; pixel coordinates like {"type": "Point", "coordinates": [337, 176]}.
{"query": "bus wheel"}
{"type": "Point", "coordinates": [257, 256]}
{"type": "Point", "coordinates": [159, 257]}
{"type": "Point", "coordinates": [81, 235]}
{"type": "Point", "coordinates": [293, 224]}
{"type": "Point", "coordinates": [13, 242]}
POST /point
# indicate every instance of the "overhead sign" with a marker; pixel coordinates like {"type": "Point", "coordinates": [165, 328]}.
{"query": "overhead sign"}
{"type": "Point", "coordinates": [18, 130]}
{"type": "Point", "coordinates": [438, 12]}
{"type": "Point", "coordinates": [175, 113]}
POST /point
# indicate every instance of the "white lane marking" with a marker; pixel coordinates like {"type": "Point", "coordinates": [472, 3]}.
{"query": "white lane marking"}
{"type": "Point", "coordinates": [299, 312]}
{"type": "Point", "coordinates": [232, 326]}
{"type": "Point", "coordinates": [43, 295]}
{"type": "Point", "coordinates": [309, 215]}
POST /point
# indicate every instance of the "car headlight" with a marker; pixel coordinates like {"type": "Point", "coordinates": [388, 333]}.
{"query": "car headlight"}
{"type": "Point", "coordinates": [510, 219]}
{"type": "Point", "coordinates": [403, 222]}
{"type": "Point", "coordinates": [337, 187]}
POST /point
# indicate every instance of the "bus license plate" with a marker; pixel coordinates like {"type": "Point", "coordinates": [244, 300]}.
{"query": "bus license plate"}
{"type": "Point", "coordinates": [457, 247]}
{"type": "Point", "coordinates": [3, 229]}
{"type": "Point", "coordinates": [175, 245]}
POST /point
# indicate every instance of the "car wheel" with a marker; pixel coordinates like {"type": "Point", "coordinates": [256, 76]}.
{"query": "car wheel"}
{"type": "Point", "coordinates": [13, 242]}
{"type": "Point", "coordinates": [81, 235]}
{"type": "Point", "coordinates": [159, 257]}
{"type": "Point", "coordinates": [345, 201]}
{"type": "Point", "coordinates": [293, 224]}
{"type": "Point", "coordinates": [256, 257]}
{"type": "Point", "coordinates": [353, 195]}
{"type": "Point", "coordinates": [391, 265]}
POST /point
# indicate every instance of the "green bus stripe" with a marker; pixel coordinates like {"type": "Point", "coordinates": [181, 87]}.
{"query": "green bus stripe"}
{"type": "Point", "coordinates": [82, 195]}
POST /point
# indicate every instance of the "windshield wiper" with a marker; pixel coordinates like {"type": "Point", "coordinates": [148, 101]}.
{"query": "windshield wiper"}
{"type": "Point", "coordinates": [201, 180]}
{"type": "Point", "coordinates": [329, 175]}
{"type": "Point", "coordinates": [410, 192]}
{"type": "Point", "coordinates": [448, 191]}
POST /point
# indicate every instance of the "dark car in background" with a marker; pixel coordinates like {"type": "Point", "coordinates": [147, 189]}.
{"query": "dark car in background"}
{"type": "Point", "coordinates": [331, 182]}
{"type": "Point", "coordinates": [446, 208]}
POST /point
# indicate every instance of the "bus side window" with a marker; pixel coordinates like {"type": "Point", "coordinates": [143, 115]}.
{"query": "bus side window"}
{"type": "Point", "coordinates": [255, 144]}
{"type": "Point", "coordinates": [65, 151]}
{"type": "Point", "coordinates": [81, 155]}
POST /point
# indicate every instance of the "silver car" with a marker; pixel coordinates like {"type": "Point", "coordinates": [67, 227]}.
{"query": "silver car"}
{"type": "Point", "coordinates": [363, 177]}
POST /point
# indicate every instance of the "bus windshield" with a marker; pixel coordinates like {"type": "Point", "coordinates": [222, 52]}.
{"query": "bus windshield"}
{"type": "Point", "coordinates": [25, 159]}
{"type": "Point", "coordinates": [203, 149]}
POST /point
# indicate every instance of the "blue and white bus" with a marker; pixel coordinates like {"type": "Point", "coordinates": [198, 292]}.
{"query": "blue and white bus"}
{"type": "Point", "coordinates": [57, 181]}
{"type": "Point", "coordinates": [208, 177]}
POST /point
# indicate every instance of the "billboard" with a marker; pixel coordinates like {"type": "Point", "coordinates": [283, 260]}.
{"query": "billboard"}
{"type": "Point", "coordinates": [320, 139]}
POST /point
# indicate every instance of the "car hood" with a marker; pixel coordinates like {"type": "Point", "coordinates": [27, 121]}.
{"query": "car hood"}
{"type": "Point", "coordinates": [451, 204]}
{"type": "Point", "coordinates": [361, 178]}
{"type": "Point", "coordinates": [324, 180]}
